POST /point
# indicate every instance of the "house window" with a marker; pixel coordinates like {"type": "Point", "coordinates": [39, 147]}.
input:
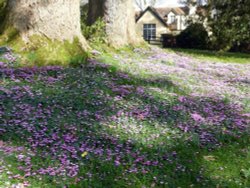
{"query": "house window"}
{"type": "Point", "coordinates": [173, 19]}
{"type": "Point", "coordinates": [149, 31]}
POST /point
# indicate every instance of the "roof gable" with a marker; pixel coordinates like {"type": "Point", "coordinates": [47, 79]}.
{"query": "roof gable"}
{"type": "Point", "coordinates": [154, 12]}
{"type": "Point", "coordinates": [167, 10]}
{"type": "Point", "coordinates": [162, 13]}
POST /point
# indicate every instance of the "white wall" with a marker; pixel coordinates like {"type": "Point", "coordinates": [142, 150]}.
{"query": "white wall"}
{"type": "Point", "coordinates": [181, 21]}
{"type": "Point", "coordinates": [169, 17]}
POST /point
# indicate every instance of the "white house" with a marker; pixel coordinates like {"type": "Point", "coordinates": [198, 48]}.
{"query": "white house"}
{"type": "Point", "coordinates": [153, 22]}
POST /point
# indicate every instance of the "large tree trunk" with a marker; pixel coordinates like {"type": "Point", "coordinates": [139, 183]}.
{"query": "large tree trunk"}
{"type": "Point", "coordinates": [119, 16]}
{"type": "Point", "coordinates": [54, 19]}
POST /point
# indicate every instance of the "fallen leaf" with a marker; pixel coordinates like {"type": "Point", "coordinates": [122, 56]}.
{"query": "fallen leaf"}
{"type": "Point", "coordinates": [209, 158]}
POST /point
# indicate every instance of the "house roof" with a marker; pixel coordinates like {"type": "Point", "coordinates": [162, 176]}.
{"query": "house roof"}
{"type": "Point", "coordinates": [161, 13]}
{"type": "Point", "coordinates": [166, 10]}
{"type": "Point", "coordinates": [153, 11]}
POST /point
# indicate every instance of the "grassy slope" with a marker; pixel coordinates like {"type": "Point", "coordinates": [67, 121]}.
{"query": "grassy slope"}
{"type": "Point", "coordinates": [95, 88]}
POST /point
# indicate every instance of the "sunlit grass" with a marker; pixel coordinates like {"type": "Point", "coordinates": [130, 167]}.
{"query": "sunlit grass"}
{"type": "Point", "coordinates": [226, 57]}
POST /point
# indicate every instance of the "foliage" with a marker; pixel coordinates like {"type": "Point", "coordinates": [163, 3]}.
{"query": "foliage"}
{"type": "Point", "coordinates": [230, 25]}
{"type": "Point", "coordinates": [228, 21]}
{"type": "Point", "coordinates": [96, 32]}
{"type": "Point", "coordinates": [9, 59]}
{"type": "Point", "coordinates": [194, 36]}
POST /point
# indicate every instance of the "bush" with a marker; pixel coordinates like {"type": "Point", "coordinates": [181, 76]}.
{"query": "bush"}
{"type": "Point", "coordinates": [241, 47]}
{"type": "Point", "coordinates": [95, 33]}
{"type": "Point", "coordinates": [194, 36]}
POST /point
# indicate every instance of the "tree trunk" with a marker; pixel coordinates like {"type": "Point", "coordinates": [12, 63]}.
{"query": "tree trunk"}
{"type": "Point", "coordinates": [119, 16]}
{"type": "Point", "coordinates": [54, 19]}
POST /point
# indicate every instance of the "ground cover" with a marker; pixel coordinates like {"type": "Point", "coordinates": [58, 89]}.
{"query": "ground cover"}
{"type": "Point", "coordinates": [128, 118]}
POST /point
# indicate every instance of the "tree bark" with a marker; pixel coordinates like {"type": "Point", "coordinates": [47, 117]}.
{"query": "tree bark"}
{"type": "Point", "coordinates": [119, 16]}
{"type": "Point", "coordinates": [54, 19]}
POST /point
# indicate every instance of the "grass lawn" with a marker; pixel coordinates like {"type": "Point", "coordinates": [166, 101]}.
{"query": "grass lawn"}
{"type": "Point", "coordinates": [129, 118]}
{"type": "Point", "coordinates": [226, 57]}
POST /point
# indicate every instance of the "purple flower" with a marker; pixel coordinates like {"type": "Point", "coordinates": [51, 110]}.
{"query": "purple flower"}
{"type": "Point", "coordinates": [117, 163]}
{"type": "Point", "coordinates": [197, 117]}
{"type": "Point", "coordinates": [2, 65]}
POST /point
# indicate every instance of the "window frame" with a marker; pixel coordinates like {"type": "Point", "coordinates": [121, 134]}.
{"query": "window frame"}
{"type": "Point", "coordinates": [149, 31]}
{"type": "Point", "coordinates": [172, 18]}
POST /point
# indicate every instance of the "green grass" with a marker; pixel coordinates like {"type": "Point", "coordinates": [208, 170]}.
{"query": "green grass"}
{"type": "Point", "coordinates": [226, 57]}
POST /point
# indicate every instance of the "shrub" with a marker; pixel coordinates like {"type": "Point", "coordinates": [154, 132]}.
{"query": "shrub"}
{"type": "Point", "coordinates": [194, 36]}
{"type": "Point", "coordinates": [241, 47]}
{"type": "Point", "coordinates": [94, 33]}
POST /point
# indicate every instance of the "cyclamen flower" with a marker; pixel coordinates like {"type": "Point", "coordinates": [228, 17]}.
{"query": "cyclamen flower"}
{"type": "Point", "coordinates": [182, 99]}
{"type": "Point", "coordinates": [51, 80]}
{"type": "Point", "coordinates": [197, 117]}
{"type": "Point", "coordinates": [2, 65]}
{"type": "Point", "coordinates": [117, 163]}
{"type": "Point", "coordinates": [140, 90]}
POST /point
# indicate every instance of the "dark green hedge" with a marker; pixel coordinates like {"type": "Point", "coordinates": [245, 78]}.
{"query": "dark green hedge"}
{"type": "Point", "coordinates": [194, 36]}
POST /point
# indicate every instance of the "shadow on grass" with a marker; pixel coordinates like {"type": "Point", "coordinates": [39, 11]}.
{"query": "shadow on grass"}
{"type": "Point", "coordinates": [56, 112]}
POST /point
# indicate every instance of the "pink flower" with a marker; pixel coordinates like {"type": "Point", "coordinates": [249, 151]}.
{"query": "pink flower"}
{"type": "Point", "coordinates": [197, 117]}
{"type": "Point", "coordinates": [117, 163]}
{"type": "Point", "coordinates": [246, 115]}
{"type": "Point", "coordinates": [182, 99]}
{"type": "Point", "coordinates": [2, 65]}
{"type": "Point", "coordinates": [140, 90]}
